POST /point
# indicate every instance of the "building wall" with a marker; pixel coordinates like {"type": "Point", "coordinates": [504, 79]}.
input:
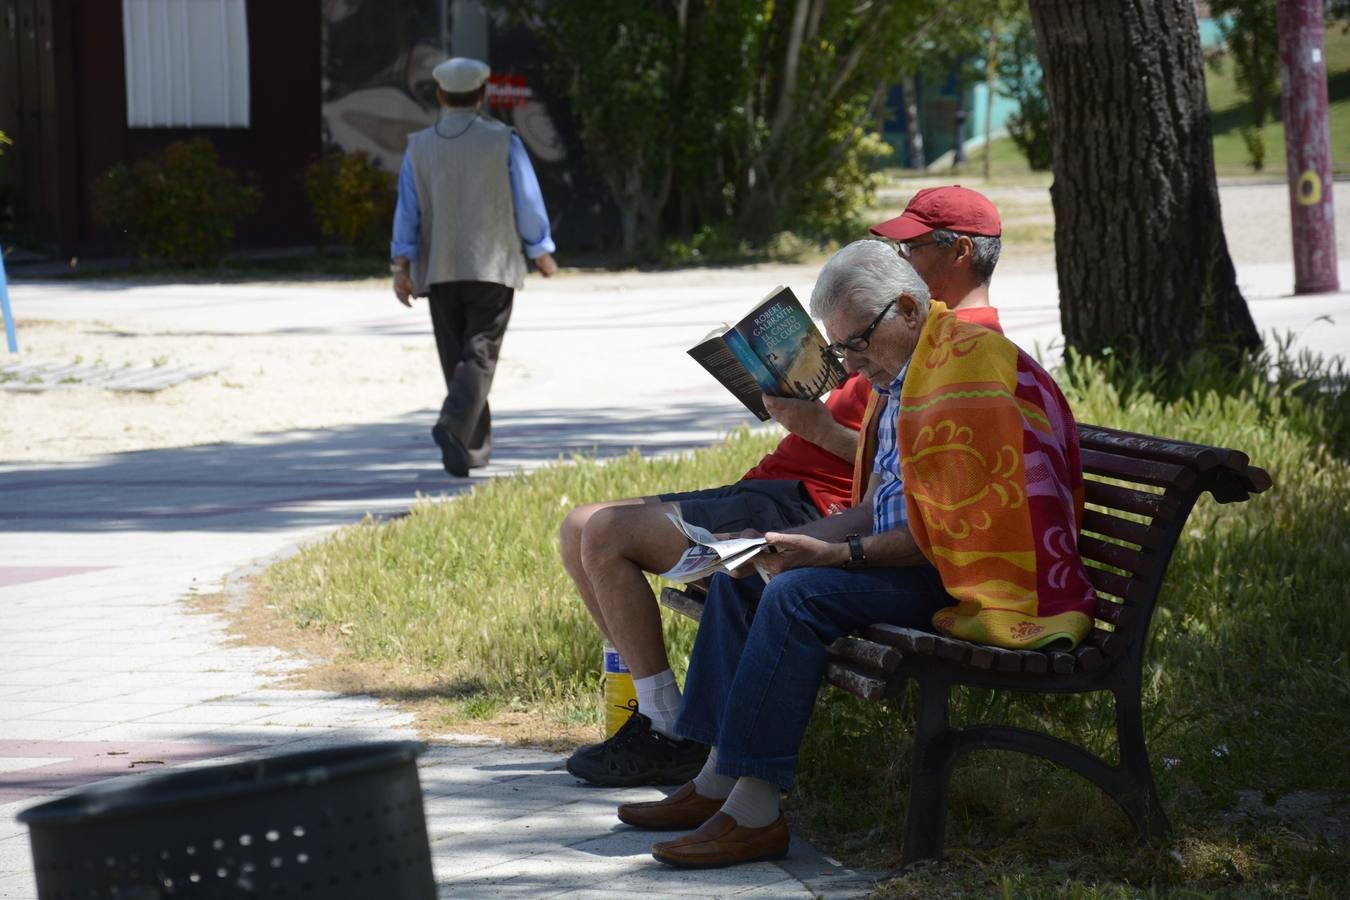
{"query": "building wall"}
{"type": "Point", "coordinates": [83, 116]}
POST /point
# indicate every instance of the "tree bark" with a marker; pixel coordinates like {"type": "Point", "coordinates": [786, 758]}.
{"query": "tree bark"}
{"type": "Point", "coordinates": [1144, 270]}
{"type": "Point", "coordinates": [990, 54]}
{"type": "Point", "coordinates": [913, 130]}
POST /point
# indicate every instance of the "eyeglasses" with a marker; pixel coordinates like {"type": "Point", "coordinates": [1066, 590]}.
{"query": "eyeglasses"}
{"type": "Point", "coordinates": [906, 248]}
{"type": "Point", "coordinates": [860, 341]}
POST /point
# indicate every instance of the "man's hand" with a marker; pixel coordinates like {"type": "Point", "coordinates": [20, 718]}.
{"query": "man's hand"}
{"type": "Point", "coordinates": [546, 265]}
{"type": "Point", "coordinates": [811, 420]}
{"type": "Point", "coordinates": [403, 288]}
{"type": "Point", "coordinates": [804, 418]}
{"type": "Point", "coordinates": [798, 551]}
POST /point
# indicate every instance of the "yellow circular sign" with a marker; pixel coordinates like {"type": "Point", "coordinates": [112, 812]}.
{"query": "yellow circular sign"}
{"type": "Point", "coordinates": [1309, 190]}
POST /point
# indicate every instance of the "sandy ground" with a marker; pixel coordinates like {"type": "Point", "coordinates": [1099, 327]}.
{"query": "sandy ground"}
{"type": "Point", "coordinates": [286, 377]}
{"type": "Point", "coordinates": [267, 383]}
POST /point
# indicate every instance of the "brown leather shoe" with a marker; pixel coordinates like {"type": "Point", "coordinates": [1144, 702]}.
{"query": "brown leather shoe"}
{"type": "Point", "coordinates": [721, 842]}
{"type": "Point", "coordinates": [682, 810]}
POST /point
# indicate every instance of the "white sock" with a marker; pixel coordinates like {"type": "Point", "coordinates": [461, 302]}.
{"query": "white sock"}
{"type": "Point", "coordinates": [707, 783]}
{"type": "Point", "coordinates": [659, 699]}
{"type": "Point", "coordinates": [753, 802]}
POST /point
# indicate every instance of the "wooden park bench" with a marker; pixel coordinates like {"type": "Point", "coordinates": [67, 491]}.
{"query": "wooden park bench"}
{"type": "Point", "coordinates": [1140, 490]}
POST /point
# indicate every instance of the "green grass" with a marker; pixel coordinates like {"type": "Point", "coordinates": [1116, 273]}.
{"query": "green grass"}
{"type": "Point", "coordinates": [471, 589]}
{"type": "Point", "coordinates": [1247, 686]}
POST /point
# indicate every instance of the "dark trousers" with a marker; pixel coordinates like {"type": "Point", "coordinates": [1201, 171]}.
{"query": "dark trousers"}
{"type": "Point", "coordinates": [761, 653]}
{"type": "Point", "coordinates": [469, 319]}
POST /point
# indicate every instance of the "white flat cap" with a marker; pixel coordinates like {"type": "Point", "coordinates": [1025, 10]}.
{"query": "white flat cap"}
{"type": "Point", "coordinates": [460, 75]}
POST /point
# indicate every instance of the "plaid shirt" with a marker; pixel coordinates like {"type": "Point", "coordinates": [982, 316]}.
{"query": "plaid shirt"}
{"type": "Point", "coordinates": [888, 505]}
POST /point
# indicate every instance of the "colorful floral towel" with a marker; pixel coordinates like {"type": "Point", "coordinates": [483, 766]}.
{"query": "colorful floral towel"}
{"type": "Point", "coordinates": [994, 488]}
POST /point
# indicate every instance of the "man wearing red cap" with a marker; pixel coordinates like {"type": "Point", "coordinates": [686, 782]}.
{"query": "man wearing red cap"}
{"type": "Point", "coordinates": [952, 237]}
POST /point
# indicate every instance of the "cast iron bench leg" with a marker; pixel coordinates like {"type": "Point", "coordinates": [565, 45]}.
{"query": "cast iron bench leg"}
{"type": "Point", "coordinates": [1139, 794]}
{"type": "Point", "coordinates": [930, 772]}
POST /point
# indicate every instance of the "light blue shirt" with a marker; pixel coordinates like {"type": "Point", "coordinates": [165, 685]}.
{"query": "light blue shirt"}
{"type": "Point", "coordinates": [888, 504]}
{"type": "Point", "coordinates": [531, 217]}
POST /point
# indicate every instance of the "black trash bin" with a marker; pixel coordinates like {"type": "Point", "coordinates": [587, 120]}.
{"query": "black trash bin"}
{"type": "Point", "coordinates": [344, 823]}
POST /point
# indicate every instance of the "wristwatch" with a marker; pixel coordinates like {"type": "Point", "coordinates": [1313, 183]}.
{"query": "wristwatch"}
{"type": "Point", "coordinates": [856, 557]}
{"type": "Point", "coordinates": [397, 269]}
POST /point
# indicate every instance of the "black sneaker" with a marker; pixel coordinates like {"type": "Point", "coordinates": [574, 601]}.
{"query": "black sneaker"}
{"type": "Point", "coordinates": [637, 754]}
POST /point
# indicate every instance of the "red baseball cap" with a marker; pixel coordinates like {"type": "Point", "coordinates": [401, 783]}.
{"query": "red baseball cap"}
{"type": "Point", "coordinates": [954, 208]}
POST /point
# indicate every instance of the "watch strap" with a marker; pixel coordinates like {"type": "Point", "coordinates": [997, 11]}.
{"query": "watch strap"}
{"type": "Point", "coordinates": [857, 558]}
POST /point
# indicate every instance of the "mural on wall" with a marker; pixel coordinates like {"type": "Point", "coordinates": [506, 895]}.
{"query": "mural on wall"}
{"type": "Point", "coordinates": [377, 89]}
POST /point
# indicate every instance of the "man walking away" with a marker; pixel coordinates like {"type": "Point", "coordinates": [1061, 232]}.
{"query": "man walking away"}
{"type": "Point", "coordinates": [468, 199]}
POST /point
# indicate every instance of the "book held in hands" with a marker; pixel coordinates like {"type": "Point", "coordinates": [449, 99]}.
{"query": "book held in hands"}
{"type": "Point", "coordinates": [776, 349]}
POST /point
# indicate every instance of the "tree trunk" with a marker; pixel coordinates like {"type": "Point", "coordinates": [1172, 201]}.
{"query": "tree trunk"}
{"type": "Point", "coordinates": [990, 55]}
{"type": "Point", "coordinates": [1144, 270]}
{"type": "Point", "coordinates": [913, 131]}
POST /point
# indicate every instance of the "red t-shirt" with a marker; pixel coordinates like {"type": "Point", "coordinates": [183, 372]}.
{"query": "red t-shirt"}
{"type": "Point", "coordinates": [826, 477]}
{"type": "Point", "coordinates": [980, 315]}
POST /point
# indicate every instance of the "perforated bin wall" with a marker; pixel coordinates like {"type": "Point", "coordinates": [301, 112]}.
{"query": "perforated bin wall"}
{"type": "Point", "coordinates": [344, 823]}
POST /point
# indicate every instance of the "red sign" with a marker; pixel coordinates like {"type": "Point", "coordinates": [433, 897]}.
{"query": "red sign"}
{"type": "Point", "coordinates": [507, 91]}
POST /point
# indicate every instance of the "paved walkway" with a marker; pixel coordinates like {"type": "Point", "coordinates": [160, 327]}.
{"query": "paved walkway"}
{"type": "Point", "coordinates": [103, 670]}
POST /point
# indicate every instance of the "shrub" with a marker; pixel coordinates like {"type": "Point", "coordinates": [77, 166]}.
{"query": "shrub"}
{"type": "Point", "coordinates": [828, 209]}
{"type": "Point", "coordinates": [352, 197]}
{"type": "Point", "coordinates": [1255, 139]}
{"type": "Point", "coordinates": [181, 205]}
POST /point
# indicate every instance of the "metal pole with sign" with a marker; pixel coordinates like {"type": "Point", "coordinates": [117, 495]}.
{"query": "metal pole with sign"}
{"type": "Point", "coordinates": [1307, 142]}
{"type": "Point", "coordinates": [10, 337]}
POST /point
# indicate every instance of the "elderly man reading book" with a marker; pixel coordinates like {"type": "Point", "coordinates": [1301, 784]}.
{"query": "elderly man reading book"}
{"type": "Point", "coordinates": [969, 525]}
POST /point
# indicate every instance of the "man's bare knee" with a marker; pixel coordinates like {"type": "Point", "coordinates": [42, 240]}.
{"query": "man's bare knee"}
{"type": "Point", "coordinates": [571, 534]}
{"type": "Point", "coordinates": [639, 534]}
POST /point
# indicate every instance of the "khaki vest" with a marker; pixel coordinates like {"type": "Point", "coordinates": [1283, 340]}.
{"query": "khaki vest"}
{"type": "Point", "coordinates": [467, 230]}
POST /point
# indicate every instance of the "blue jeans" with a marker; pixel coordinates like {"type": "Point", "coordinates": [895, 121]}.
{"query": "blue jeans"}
{"type": "Point", "coordinates": [760, 655]}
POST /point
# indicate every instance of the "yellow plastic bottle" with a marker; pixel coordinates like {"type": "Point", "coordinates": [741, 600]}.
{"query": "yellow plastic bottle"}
{"type": "Point", "coordinates": [619, 698]}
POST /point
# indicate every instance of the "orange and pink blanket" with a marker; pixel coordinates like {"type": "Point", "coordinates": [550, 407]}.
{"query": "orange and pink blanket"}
{"type": "Point", "coordinates": [994, 488]}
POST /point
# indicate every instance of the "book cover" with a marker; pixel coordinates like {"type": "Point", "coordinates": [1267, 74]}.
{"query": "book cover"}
{"type": "Point", "coordinates": [775, 349]}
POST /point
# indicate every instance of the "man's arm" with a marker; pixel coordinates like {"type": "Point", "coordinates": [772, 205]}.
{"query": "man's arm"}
{"type": "Point", "coordinates": [796, 551]}
{"type": "Point", "coordinates": [531, 216]}
{"type": "Point", "coordinates": [811, 420]}
{"type": "Point", "coordinates": [823, 542]}
{"type": "Point", "coordinates": [407, 219]}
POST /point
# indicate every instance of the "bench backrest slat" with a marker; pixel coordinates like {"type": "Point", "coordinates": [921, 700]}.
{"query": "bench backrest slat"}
{"type": "Point", "coordinates": [1112, 583]}
{"type": "Point", "coordinates": [1144, 471]}
{"type": "Point", "coordinates": [1198, 456]}
{"type": "Point", "coordinates": [1116, 497]}
{"type": "Point", "coordinates": [1096, 521]}
{"type": "Point", "coordinates": [1116, 555]}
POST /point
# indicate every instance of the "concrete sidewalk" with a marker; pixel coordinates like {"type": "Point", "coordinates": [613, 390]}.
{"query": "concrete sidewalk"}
{"type": "Point", "coordinates": [104, 671]}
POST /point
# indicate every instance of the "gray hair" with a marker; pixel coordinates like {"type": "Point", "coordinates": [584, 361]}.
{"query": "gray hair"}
{"type": "Point", "coordinates": [984, 255]}
{"type": "Point", "coordinates": [867, 275]}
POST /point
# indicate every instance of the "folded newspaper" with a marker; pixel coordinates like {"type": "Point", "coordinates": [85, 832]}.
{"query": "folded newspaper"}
{"type": "Point", "coordinates": [709, 555]}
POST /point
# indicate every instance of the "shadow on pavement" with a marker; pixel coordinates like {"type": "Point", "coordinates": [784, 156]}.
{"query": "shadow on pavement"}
{"type": "Point", "coordinates": [298, 479]}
